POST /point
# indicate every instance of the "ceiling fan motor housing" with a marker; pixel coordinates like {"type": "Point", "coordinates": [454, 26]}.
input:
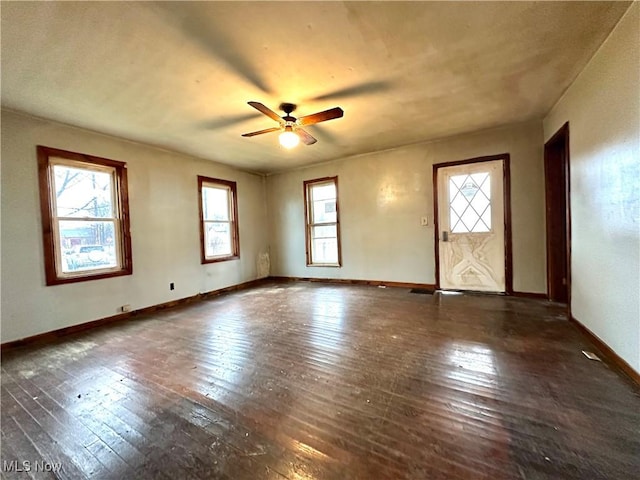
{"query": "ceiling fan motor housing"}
{"type": "Point", "coordinates": [287, 107]}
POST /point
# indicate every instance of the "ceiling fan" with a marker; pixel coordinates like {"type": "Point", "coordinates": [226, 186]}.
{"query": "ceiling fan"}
{"type": "Point", "coordinates": [290, 126]}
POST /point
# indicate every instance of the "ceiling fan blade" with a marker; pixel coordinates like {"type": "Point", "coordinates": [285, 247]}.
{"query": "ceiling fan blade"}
{"type": "Point", "coordinates": [330, 114]}
{"type": "Point", "coordinates": [305, 137]}
{"type": "Point", "coordinates": [223, 122]}
{"type": "Point", "coordinates": [266, 110]}
{"type": "Point", "coordinates": [260, 132]}
{"type": "Point", "coordinates": [353, 90]}
{"type": "Point", "coordinates": [195, 23]}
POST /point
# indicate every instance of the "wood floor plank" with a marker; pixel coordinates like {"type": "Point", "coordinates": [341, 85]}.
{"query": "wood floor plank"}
{"type": "Point", "coordinates": [312, 381]}
{"type": "Point", "coordinates": [22, 428]}
{"type": "Point", "coordinates": [72, 445]}
{"type": "Point", "coordinates": [11, 450]}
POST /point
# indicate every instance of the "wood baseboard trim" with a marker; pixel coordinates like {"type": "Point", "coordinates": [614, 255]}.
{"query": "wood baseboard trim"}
{"type": "Point", "coordinates": [378, 283]}
{"type": "Point", "coordinates": [343, 281]}
{"type": "Point", "coordinates": [539, 296]}
{"type": "Point", "coordinates": [53, 335]}
{"type": "Point", "coordinates": [48, 337]}
{"type": "Point", "coordinates": [610, 357]}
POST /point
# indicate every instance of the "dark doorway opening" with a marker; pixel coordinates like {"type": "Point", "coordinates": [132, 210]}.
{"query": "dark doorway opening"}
{"type": "Point", "coordinates": [556, 173]}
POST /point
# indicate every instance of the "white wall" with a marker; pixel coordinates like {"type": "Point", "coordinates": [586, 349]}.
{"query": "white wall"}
{"type": "Point", "coordinates": [382, 197]}
{"type": "Point", "coordinates": [164, 224]}
{"type": "Point", "coordinates": [602, 107]}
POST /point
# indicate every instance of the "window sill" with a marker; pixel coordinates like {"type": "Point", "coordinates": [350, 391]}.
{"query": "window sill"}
{"type": "Point", "coordinates": [60, 280]}
{"type": "Point", "coordinates": [219, 259]}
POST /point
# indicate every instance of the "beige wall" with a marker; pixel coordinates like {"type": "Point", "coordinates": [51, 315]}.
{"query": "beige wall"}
{"type": "Point", "coordinates": [382, 197]}
{"type": "Point", "coordinates": [164, 225]}
{"type": "Point", "coordinates": [603, 110]}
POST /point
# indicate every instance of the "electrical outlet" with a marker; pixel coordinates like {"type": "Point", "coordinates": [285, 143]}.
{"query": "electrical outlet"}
{"type": "Point", "coordinates": [125, 308]}
{"type": "Point", "coordinates": [172, 286]}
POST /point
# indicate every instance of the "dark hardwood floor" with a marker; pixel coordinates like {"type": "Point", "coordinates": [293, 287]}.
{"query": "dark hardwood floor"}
{"type": "Point", "coordinates": [308, 381]}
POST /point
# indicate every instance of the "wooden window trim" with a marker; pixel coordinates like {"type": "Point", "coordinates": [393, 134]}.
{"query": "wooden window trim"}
{"type": "Point", "coordinates": [307, 216]}
{"type": "Point", "coordinates": [235, 235]}
{"type": "Point", "coordinates": [45, 180]}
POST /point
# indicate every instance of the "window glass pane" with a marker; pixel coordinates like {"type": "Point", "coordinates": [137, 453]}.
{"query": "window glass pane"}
{"type": "Point", "coordinates": [457, 181]}
{"type": "Point", "coordinates": [325, 231]}
{"type": "Point", "coordinates": [480, 178]}
{"type": "Point", "coordinates": [324, 250]}
{"type": "Point", "coordinates": [215, 203]}
{"type": "Point", "coordinates": [324, 211]}
{"type": "Point", "coordinates": [459, 203]}
{"type": "Point", "coordinates": [217, 239]}
{"type": "Point", "coordinates": [486, 218]}
{"type": "Point", "coordinates": [83, 193]}
{"type": "Point", "coordinates": [469, 219]}
{"type": "Point", "coordinates": [87, 245]}
{"type": "Point", "coordinates": [470, 203]}
{"type": "Point", "coordinates": [322, 217]}
{"type": "Point", "coordinates": [325, 191]}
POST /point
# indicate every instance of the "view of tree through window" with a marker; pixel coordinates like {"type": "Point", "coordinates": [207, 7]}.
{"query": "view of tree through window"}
{"type": "Point", "coordinates": [84, 207]}
{"type": "Point", "coordinates": [86, 218]}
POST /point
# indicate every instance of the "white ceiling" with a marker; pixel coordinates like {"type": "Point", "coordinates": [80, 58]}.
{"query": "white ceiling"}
{"type": "Point", "coordinates": [179, 75]}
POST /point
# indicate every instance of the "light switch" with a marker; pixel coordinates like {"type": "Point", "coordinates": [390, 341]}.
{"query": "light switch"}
{"type": "Point", "coordinates": [424, 221]}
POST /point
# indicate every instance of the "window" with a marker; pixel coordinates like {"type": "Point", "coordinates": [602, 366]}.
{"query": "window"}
{"type": "Point", "coordinates": [470, 203]}
{"type": "Point", "coordinates": [85, 216]}
{"type": "Point", "coordinates": [218, 220]}
{"type": "Point", "coordinates": [322, 222]}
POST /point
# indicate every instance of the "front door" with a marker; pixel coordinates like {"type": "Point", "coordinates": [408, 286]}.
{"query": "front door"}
{"type": "Point", "coordinates": [471, 224]}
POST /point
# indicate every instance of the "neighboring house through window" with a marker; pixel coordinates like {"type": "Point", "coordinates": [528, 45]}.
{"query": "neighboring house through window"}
{"type": "Point", "coordinates": [218, 220]}
{"type": "Point", "coordinates": [85, 216]}
{"type": "Point", "coordinates": [322, 222]}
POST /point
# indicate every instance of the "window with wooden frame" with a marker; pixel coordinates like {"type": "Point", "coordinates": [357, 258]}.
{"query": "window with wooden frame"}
{"type": "Point", "coordinates": [322, 219]}
{"type": "Point", "coordinates": [85, 216]}
{"type": "Point", "coordinates": [219, 240]}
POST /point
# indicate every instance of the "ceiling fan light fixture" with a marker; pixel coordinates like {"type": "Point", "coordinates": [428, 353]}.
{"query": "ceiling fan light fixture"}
{"type": "Point", "coordinates": [289, 139]}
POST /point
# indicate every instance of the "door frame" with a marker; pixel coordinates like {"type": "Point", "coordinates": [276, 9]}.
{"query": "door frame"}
{"type": "Point", "coordinates": [562, 135]}
{"type": "Point", "coordinates": [506, 181]}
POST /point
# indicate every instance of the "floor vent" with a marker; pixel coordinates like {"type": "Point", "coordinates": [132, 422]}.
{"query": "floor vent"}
{"type": "Point", "coordinates": [422, 291]}
{"type": "Point", "coordinates": [591, 356]}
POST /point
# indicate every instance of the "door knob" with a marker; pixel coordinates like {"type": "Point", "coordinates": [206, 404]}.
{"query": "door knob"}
{"type": "Point", "coordinates": [445, 236]}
